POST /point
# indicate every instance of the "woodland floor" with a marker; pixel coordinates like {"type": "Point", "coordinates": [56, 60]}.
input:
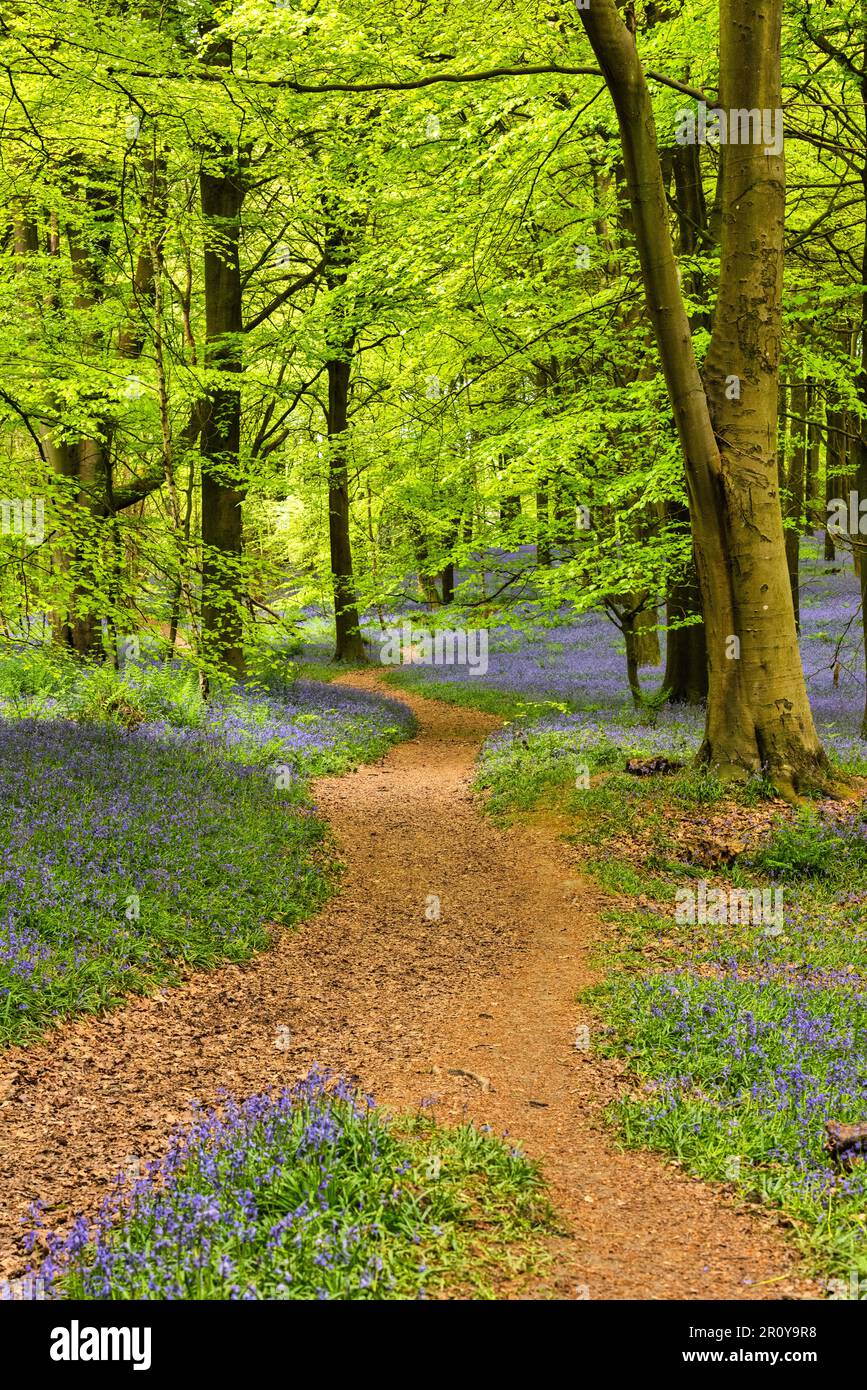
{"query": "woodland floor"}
{"type": "Point", "coordinates": [477, 1009]}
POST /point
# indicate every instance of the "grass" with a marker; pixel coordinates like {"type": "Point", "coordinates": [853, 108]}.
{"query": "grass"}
{"type": "Point", "coordinates": [146, 834]}
{"type": "Point", "coordinates": [311, 1194]}
{"type": "Point", "coordinates": [481, 697]}
{"type": "Point", "coordinates": [127, 863]}
{"type": "Point", "coordinates": [743, 1043]}
{"type": "Point", "coordinates": [325, 671]}
{"type": "Point", "coordinates": [316, 667]}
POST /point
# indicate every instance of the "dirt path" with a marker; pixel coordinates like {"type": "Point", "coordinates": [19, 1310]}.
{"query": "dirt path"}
{"type": "Point", "coordinates": [372, 988]}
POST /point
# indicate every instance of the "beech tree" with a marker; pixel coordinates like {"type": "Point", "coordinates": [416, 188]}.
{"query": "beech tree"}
{"type": "Point", "coordinates": [365, 313]}
{"type": "Point", "coordinates": [758, 714]}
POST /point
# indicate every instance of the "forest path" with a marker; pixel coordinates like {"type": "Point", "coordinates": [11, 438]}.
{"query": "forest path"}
{"type": "Point", "coordinates": [477, 1009]}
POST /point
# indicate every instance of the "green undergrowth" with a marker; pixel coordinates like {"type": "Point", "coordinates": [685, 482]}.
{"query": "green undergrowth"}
{"type": "Point", "coordinates": [313, 1195]}
{"type": "Point", "coordinates": [328, 671]}
{"type": "Point", "coordinates": [146, 834]}
{"type": "Point", "coordinates": [746, 1032]}
{"type": "Point", "coordinates": [467, 695]}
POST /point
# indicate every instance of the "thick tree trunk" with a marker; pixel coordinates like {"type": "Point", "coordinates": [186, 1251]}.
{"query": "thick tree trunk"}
{"type": "Point", "coordinates": [223, 589]}
{"type": "Point", "coordinates": [758, 715]}
{"type": "Point", "coordinates": [79, 465]}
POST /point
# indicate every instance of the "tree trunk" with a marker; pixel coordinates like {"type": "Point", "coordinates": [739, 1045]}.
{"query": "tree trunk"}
{"type": "Point", "coordinates": [543, 524]}
{"type": "Point", "coordinates": [850, 446]}
{"type": "Point", "coordinates": [510, 509]}
{"type": "Point", "coordinates": [82, 465]}
{"type": "Point", "coordinates": [339, 237]}
{"type": "Point", "coordinates": [448, 582]}
{"type": "Point", "coordinates": [861, 382]}
{"type": "Point", "coordinates": [758, 715]}
{"type": "Point", "coordinates": [632, 662]}
{"type": "Point", "coordinates": [830, 552]}
{"type": "Point", "coordinates": [646, 637]}
{"type": "Point", "coordinates": [564, 508]}
{"type": "Point", "coordinates": [792, 478]}
{"type": "Point", "coordinates": [223, 589]}
{"type": "Point", "coordinates": [544, 378]}
{"type": "Point", "coordinates": [510, 502]}
{"type": "Point", "coordinates": [812, 512]}
{"type": "Point", "coordinates": [834, 466]}
{"type": "Point", "coordinates": [349, 644]}
{"type": "Point", "coordinates": [685, 676]}
{"type": "Point", "coordinates": [148, 262]}
{"type": "Point", "coordinates": [62, 457]}
{"type": "Point", "coordinates": [692, 221]}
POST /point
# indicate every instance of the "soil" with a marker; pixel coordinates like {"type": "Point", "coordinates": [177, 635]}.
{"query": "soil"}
{"type": "Point", "coordinates": [475, 1007]}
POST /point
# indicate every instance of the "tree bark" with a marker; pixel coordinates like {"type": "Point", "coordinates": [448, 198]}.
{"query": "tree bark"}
{"type": "Point", "coordinates": [835, 464]}
{"type": "Point", "coordinates": [223, 590]}
{"type": "Point", "coordinates": [83, 464]}
{"type": "Point", "coordinates": [793, 479]}
{"type": "Point", "coordinates": [510, 509]}
{"type": "Point", "coordinates": [861, 382]}
{"type": "Point", "coordinates": [632, 659]}
{"type": "Point", "coordinates": [543, 524]}
{"type": "Point", "coordinates": [812, 511]}
{"type": "Point", "coordinates": [448, 582]}
{"type": "Point", "coordinates": [349, 644]}
{"type": "Point", "coordinates": [692, 221]}
{"type": "Point", "coordinates": [758, 715]}
{"type": "Point", "coordinates": [647, 638]}
{"type": "Point", "coordinates": [685, 676]}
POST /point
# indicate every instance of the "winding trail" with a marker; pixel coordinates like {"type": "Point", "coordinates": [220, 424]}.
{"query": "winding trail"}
{"type": "Point", "coordinates": [477, 1009]}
